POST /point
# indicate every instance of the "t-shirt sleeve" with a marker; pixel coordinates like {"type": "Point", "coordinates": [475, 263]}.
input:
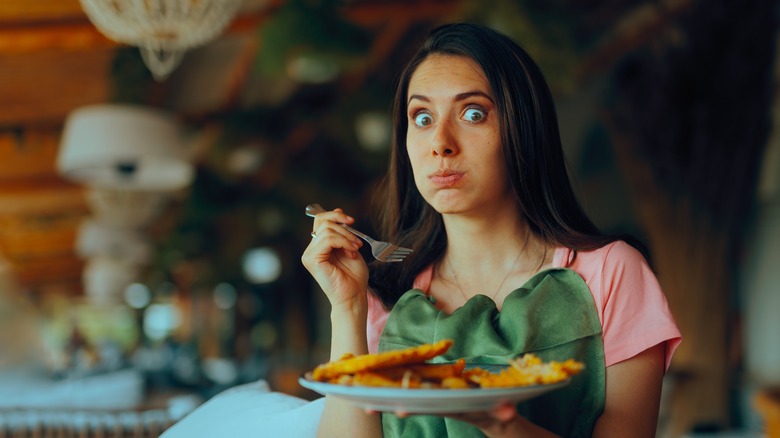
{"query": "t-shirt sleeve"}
{"type": "Point", "coordinates": [636, 314]}
{"type": "Point", "coordinates": [375, 323]}
{"type": "Point", "coordinates": [377, 314]}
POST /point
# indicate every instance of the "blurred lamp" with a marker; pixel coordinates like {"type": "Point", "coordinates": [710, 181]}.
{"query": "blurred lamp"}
{"type": "Point", "coordinates": [138, 295]}
{"type": "Point", "coordinates": [99, 239]}
{"type": "Point", "coordinates": [262, 265]}
{"type": "Point", "coordinates": [162, 29]}
{"type": "Point", "coordinates": [310, 69]}
{"type": "Point", "coordinates": [131, 209]}
{"type": "Point", "coordinates": [225, 296]}
{"type": "Point", "coordinates": [160, 320]}
{"type": "Point", "coordinates": [373, 130]}
{"type": "Point", "coordinates": [124, 147]}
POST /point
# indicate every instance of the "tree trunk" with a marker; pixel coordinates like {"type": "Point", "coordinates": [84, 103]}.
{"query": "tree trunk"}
{"type": "Point", "coordinates": [689, 122]}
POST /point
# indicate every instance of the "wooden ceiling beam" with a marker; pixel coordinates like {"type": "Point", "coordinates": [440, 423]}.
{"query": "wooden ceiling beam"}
{"type": "Point", "coordinates": [19, 39]}
{"type": "Point", "coordinates": [63, 28]}
{"type": "Point", "coordinates": [81, 34]}
{"type": "Point", "coordinates": [32, 274]}
{"type": "Point", "coordinates": [78, 35]}
{"type": "Point", "coordinates": [26, 11]}
{"type": "Point", "coordinates": [28, 154]}
{"type": "Point", "coordinates": [30, 200]}
{"type": "Point", "coordinates": [30, 238]}
{"type": "Point", "coordinates": [45, 86]}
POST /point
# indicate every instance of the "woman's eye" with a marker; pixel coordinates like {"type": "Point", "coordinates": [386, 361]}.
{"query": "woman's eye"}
{"type": "Point", "coordinates": [423, 119]}
{"type": "Point", "coordinates": [474, 115]}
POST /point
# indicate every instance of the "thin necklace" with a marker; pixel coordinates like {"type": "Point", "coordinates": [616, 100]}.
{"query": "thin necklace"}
{"type": "Point", "coordinates": [493, 297]}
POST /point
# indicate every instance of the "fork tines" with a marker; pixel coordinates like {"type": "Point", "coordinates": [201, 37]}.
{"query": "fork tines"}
{"type": "Point", "coordinates": [394, 254]}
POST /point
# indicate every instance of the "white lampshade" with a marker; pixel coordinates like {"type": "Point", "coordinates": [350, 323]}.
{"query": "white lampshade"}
{"type": "Point", "coordinates": [124, 147]}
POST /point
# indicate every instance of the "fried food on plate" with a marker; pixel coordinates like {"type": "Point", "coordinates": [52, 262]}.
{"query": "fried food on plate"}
{"type": "Point", "coordinates": [529, 370]}
{"type": "Point", "coordinates": [408, 368]}
{"type": "Point", "coordinates": [370, 378]}
{"type": "Point", "coordinates": [426, 371]}
{"type": "Point", "coordinates": [413, 376]}
{"type": "Point", "coordinates": [385, 359]}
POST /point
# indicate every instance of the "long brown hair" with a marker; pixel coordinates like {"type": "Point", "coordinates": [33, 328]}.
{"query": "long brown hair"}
{"type": "Point", "coordinates": [531, 146]}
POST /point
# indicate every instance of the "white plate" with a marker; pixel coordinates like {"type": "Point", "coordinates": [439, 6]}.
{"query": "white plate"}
{"type": "Point", "coordinates": [427, 401]}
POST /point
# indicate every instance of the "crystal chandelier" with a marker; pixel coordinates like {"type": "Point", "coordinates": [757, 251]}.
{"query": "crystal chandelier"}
{"type": "Point", "coordinates": [162, 29]}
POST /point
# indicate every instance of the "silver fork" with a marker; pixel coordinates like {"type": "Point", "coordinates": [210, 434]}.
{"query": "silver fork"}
{"type": "Point", "coordinates": [382, 251]}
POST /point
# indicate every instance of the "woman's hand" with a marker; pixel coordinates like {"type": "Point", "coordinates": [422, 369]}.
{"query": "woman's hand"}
{"type": "Point", "coordinates": [503, 421]}
{"type": "Point", "coordinates": [333, 259]}
{"type": "Point", "coordinates": [493, 423]}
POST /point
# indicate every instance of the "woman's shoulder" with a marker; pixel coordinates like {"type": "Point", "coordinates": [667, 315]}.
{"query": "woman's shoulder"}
{"type": "Point", "coordinates": [612, 255]}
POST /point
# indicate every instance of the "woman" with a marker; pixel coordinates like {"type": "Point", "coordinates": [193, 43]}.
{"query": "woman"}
{"type": "Point", "coordinates": [505, 261]}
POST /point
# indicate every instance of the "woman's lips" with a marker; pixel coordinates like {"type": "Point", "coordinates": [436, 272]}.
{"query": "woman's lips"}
{"type": "Point", "coordinates": [445, 178]}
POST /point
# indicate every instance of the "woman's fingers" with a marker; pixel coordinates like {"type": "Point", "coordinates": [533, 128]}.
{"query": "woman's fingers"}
{"type": "Point", "coordinates": [333, 258]}
{"type": "Point", "coordinates": [505, 412]}
{"type": "Point", "coordinates": [336, 215]}
{"type": "Point", "coordinates": [332, 221]}
{"type": "Point", "coordinates": [501, 414]}
{"type": "Point", "coordinates": [328, 229]}
{"type": "Point", "coordinates": [489, 420]}
{"type": "Point", "coordinates": [330, 236]}
{"type": "Point", "coordinates": [321, 249]}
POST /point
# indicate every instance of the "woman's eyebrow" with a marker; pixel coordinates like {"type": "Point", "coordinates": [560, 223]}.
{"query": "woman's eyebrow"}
{"type": "Point", "coordinates": [466, 95]}
{"type": "Point", "coordinates": [458, 97]}
{"type": "Point", "coordinates": [418, 97]}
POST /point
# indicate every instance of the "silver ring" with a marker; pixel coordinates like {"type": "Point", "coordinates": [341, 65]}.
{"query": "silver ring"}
{"type": "Point", "coordinates": [313, 235]}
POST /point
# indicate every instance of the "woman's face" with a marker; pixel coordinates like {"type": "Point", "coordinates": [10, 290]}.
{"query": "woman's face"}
{"type": "Point", "coordinates": [453, 137]}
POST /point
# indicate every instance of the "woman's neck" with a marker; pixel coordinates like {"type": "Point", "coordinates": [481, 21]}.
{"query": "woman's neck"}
{"type": "Point", "coordinates": [489, 257]}
{"type": "Point", "coordinates": [490, 240]}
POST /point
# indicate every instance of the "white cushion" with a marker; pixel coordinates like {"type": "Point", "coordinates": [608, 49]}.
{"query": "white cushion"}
{"type": "Point", "coordinates": [250, 410]}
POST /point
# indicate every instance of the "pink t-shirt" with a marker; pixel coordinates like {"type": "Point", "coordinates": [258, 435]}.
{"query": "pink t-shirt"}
{"type": "Point", "coordinates": [632, 308]}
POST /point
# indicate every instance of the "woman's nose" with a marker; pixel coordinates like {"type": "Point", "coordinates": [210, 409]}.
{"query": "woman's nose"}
{"type": "Point", "coordinates": [444, 143]}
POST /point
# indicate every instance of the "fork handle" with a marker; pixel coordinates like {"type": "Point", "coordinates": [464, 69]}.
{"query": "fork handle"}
{"type": "Point", "coordinates": [313, 209]}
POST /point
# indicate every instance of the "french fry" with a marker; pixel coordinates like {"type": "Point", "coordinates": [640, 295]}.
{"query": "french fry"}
{"type": "Point", "coordinates": [455, 383]}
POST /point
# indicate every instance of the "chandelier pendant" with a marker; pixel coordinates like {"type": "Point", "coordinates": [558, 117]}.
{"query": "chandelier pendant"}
{"type": "Point", "coordinates": [161, 62]}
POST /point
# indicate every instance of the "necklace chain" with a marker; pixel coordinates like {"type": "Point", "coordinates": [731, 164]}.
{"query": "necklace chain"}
{"type": "Point", "coordinates": [493, 297]}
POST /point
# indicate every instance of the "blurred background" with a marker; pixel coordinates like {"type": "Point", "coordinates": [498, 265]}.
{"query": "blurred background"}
{"type": "Point", "coordinates": [153, 183]}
